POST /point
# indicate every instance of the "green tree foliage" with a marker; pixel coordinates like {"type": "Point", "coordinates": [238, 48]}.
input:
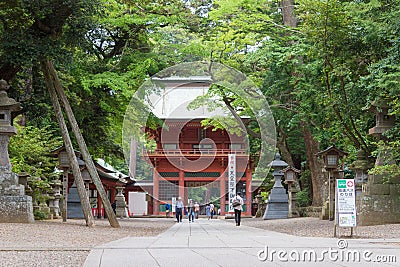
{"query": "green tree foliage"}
{"type": "Point", "coordinates": [382, 81]}
{"type": "Point", "coordinates": [131, 41]}
{"type": "Point", "coordinates": [30, 148]}
{"type": "Point", "coordinates": [29, 152]}
{"type": "Point", "coordinates": [342, 55]}
{"type": "Point", "coordinates": [103, 51]}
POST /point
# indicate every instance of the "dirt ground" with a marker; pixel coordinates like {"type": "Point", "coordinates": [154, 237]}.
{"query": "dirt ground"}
{"type": "Point", "coordinates": [314, 227]}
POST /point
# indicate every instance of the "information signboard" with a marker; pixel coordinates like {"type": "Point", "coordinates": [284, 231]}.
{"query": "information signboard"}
{"type": "Point", "coordinates": [346, 203]}
{"type": "Point", "coordinates": [231, 179]}
{"type": "Point", "coordinates": [173, 204]}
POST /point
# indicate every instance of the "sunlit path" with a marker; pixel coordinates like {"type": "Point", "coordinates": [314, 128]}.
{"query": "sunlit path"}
{"type": "Point", "coordinates": [221, 243]}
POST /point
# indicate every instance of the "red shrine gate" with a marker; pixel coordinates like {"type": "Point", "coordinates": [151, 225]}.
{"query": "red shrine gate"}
{"type": "Point", "coordinates": [198, 160]}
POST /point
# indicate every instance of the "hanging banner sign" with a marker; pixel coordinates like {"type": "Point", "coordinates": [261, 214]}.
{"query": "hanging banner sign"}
{"type": "Point", "coordinates": [346, 202]}
{"type": "Point", "coordinates": [173, 204]}
{"type": "Point", "coordinates": [231, 179]}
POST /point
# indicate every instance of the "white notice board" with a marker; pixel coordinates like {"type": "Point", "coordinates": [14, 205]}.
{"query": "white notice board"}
{"type": "Point", "coordinates": [346, 203]}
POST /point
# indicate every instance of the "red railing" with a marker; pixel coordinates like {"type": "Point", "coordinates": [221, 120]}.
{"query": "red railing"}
{"type": "Point", "coordinates": [196, 152]}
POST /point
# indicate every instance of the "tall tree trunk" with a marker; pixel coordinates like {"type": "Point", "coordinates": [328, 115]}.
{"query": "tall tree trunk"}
{"type": "Point", "coordinates": [289, 19]}
{"type": "Point", "coordinates": [83, 148]}
{"type": "Point", "coordinates": [319, 188]}
{"type": "Point", "coordinates": [318, 180]}
{"type": "Point", "coordinates": [283, 146]}
{"type": "Point", "coordinates": [86, 208]}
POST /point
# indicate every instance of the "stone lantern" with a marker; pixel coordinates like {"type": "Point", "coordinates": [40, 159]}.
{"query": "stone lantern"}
{"type": "Point", "coordinates": [86, 178]}
{"type": "Point", "coordinates": [54, 202]}
{"type": "Point", "coordinates": [260, 206]}
{"type": "Point", "coordinates": [7, 107]}
{"type": "Point", "coordinates": [64, 165]}
{"type": "Point", "coordinates": [380, 202]}
{"type": "Point", "coordinates": [15, 206]}
{"type": "Point", "coordinates": [360, 168]}
{"type": "Point", "coordinates": [290, 179]}
{"type": "Point", "coordinates": [121, 206]}
{"type": "Point", "coordinates": [331, 157]}
{"type": "Point", "coordinates": [23, 180]}
{"type": "Point", "coordinates": [277, 205]}
{"type": "Point", "coordinates": [384, 121]}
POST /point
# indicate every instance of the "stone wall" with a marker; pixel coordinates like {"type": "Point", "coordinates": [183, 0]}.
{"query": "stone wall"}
{"type": "Point", "coordinates": [310, 211]}
{"type": "Point", "coordinates": [380, 201]}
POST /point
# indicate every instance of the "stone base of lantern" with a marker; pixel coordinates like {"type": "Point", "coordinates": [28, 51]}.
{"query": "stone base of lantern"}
{"type": "Point", "coordinates": [15, 206]}
{"type": "Point", "coordinates": [16, 209]}
{"type": "Point", "coordinates": [277, 205]}
{"type": "Point", "coordinates": [121, 207]}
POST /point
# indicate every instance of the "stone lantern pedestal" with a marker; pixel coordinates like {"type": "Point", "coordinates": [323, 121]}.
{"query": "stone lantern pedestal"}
{"type": "Point", "coordinates": [278, 202]}
{"type": "Point", "coordinates": [15, 206]}
{"type": "Point", "coordinates": [260, 206]}
{"type": "Point", "coordinates": [121, 207]}
{"type": "Point", "coordinates": [54, 202]}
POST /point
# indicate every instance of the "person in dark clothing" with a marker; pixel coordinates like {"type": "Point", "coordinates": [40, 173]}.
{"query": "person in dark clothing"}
{"type": "Point", "coordinates": [237, 206]}
{"type": "Point", "coordinates": [179, 209]}
{"type": "Point", "coordinates": [167, 209]}
{"type": "Point", "coordinates": [191, 211]}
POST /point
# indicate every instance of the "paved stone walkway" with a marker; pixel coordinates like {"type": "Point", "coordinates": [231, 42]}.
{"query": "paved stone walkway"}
{"type": "Point", "coordinates": [220, 243]}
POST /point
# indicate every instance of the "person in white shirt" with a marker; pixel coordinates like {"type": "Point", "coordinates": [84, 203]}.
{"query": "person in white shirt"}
{"type": "Point", "coordinates": [178, 209]}
{"type": "Point", "coordinates": [196, 210]}
{"type": "Point", "coordinates": [238, 208]}
{"type": "Point", "coordinates": [212, 210]}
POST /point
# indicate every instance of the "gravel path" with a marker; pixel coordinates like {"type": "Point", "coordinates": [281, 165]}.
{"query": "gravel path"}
{"type": "Point", "coordinates": [314, 227]}
{"type": "Point", "coordinates": [54, 243]}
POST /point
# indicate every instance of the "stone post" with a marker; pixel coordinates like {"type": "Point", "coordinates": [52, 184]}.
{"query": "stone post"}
{"type": "Point", "coordinates": [290, 209]}
{"type": "Point", "coordinates": [55, 203]}
{"type": "Point", "coordinates": [121, 207]}
{"type": "Point", "coordinates": [295, 210]}
{"type": "Point", "coordinates": [260, 206]}
{"type": "Point", "coordinates": [15, 206]}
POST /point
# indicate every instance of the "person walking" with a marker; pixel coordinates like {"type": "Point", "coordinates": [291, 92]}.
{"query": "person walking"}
{"type": "Point", "coordinates": [178, 209]}
{"type": "Point", "coordinates": [208, 211]}
{"type": "Point", "coordinates": [167, 209]}
{"type": "Point", "coordinates": [212, 209]}
{"type": "Point", "coordinates": [237, 206]}
{"type": "Point", "coordinates": [191, 211]}
{"type": "Point", "coordinates": [196, 210]}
